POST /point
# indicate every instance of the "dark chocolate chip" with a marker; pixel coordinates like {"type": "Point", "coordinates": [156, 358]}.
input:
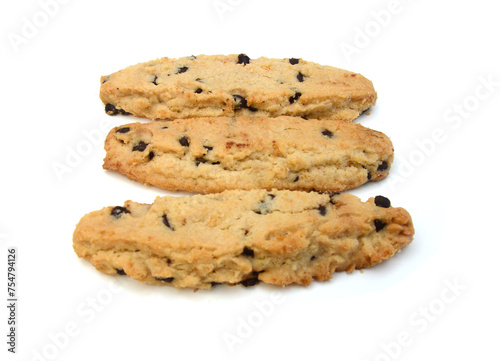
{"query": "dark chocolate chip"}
{"type": "Point", "coordinates": [368, 175]}
{"type": "Point", "coordinates": [240, 102]}
{"type": "Point", "coordinates": [300, 77]}
{"type": "Point", "coordinates": [312, 258]}
{"type": "Point", "coordinates": [184, 141]}
{"type": "Point", "coordinates": [123, 130]}
{"type": "Point", "coordinates": [322, 210]}
{"type": "Point", "coordinates": [110, 109]}
{"type": "Point", "coordinates": [252, 109]}
{"type": "Point", "coordinates": [166, 222]}
{"type": "Point", "coordinates": [294, 98]}
{"type": "Point", "coordinates": [246, 232]}
{"type": "Point", "coordinates": [154, 80]}
{"type": "Point", "coordinates": [168, 279]}
{"type": "Point", "coordinates": [272, 196]}
{"type": "Point", "coordinates": [198, 91]}
{"type": "Point", "coordinates": [209, 148]}
{"type": "Point", "coordinates": [200, 160]}
{"type": "Point", "coordinates": [182, 70]}
{"type": "Point", "coordinates": [151, 155]}
{"type": "Point", "coordinates": [118, 211]}
{"type": "Point", "coordinates": [121, 272]}
{"type": "Point", "coordinates": [250, 282]}
{"type": "Point", "coordinates": [383, 166]}
{"type": "Point", "coordinates": [248, 252]}
{"type": "Point", "coordinates": [327, 133]}
{"type": "Point", "coordinates": [215, 163]}
{"type": "Point", "coordinates": [379, 225]}
{"type": "Point", "coordinates": [293, 61]}
{"type": "Point", "coordinates": [381, 201]}
{"type": "Point", "coordinates": [296, 179]}
{"type": "Point", "coordinates": [140, 147]}
{"type": "Point", "coordinates": [243, 59]}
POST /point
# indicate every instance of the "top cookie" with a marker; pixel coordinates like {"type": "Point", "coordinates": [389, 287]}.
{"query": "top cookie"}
{"type": "Point", "coordinates": [235, 85]}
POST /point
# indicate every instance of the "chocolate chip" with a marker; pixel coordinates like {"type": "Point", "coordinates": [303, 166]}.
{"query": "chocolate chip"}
{"type": "Point", "coordinates": [293, 61]}
{"type": "Point", "coordinates": [252, 109]}
{"type": "Point", "coordinates": [368, 175]}
{"type": "Point", "coordinates": [123, 130]}
{"type": "Point", "coordinates": [118, 211]}
{"type": "Point", "coordinates": [166, 222]}
{"type": "Point", "coordinates": [140, 147]}
{"type": "Point", "coordinates": [198, 91]}
{"type": "Point", "coordinates": [240, 102]}
{"type": "Point", "coordinates": [312, 258]}
{"type": "Point", "coordinates": [248, 252]}
{"type": "Point", "coordinates": [184, 141]}
{"type": "Point", "coordinates": [215, 163]}
{"type": "Point", "coordinates": [151, 155]}
{"type": "Point", "coordinates": [110, 109]}
{"type": "Point", "coordinates": [327, 133]}
{"type": "Point", "coordinates": [209, 148]}
{"type": "Point", "coordinates": [182, 70]}
{"type": "Point", "coordinates": [322, 210]}
{"type": "Point", "coordinates": [243, 59]}
{"type": "Point", "coordinates": [296, 179]}
{"type": "Point", "coordinates": [300, 77]}
{"type": "Point", "coordinates": [200, 160]}
{"type": "Point", "coordinates": [381, 201]}
{"type": "Point", "coordinates": [379, 225]}
{"type": "Point", "coordinates": [154, 80]}
{"type": "Point", "coordinates": [383, 166]}
{"type": "Point", "coordinates": [121, 272]}
{"type": "Point", "coordinates": [250, 282]}
{"type": "Point", "coordinates": [294, 98]}
{"type": "Point", "coordinates": [168, 279]}
{"type": "Point", "coordinates": [272, 196]}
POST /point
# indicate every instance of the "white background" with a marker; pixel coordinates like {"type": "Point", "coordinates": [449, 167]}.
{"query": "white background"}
{"type": "Point", "coordinates": [428, 60]}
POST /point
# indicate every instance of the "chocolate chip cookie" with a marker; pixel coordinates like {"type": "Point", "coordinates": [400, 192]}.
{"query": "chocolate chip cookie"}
{"type": "Point", "coordinates": [214, 154]}
{"type": "Point", "coordinates": [235, 85]}
{"type": "Point", "coordinates": [242, 237]}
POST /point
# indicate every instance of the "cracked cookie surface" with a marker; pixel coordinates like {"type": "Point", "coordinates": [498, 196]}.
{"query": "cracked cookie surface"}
{"type": "Point", "coordinates": [214, 154]}
{"type": "Point", "coordinates": [235, 85]}
{"type": "Point", "coordinates": [242, 237]}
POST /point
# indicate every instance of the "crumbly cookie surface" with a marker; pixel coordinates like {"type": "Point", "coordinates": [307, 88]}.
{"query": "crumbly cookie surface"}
{"type": "Point", "coordinates": [235, 85]}
{"type": "Point", "coordinates": [278, 237]}
{"type": "Point", "coordinates": [214, 154]}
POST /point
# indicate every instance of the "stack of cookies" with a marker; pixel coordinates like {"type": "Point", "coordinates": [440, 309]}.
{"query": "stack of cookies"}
{"type": "Point", "coordinates": [271, 144]}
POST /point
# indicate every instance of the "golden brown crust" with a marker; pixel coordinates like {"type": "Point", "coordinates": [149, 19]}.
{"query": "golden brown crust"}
{"type": "Point", "coordinates": [214, 154]}
{"type": "Point", "coordinates": [278, 237]}
{"type": "Point", "coordinates": [216, 86]}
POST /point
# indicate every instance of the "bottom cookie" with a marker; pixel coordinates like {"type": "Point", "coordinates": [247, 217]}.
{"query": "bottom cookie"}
{"type": "Point", "coordinates": [277, 237]}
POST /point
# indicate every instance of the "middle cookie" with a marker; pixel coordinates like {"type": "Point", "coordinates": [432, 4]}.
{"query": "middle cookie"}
{"type": "Point", "coordinates": [211, 155]}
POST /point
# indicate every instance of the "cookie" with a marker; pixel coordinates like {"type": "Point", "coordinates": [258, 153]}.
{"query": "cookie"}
{"type": "Point", "coordinates": [214, 154]}
{"type": "Point", "coordinates": [235, 85]}
{"type": "Point", "coordinates": [278, 237]}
